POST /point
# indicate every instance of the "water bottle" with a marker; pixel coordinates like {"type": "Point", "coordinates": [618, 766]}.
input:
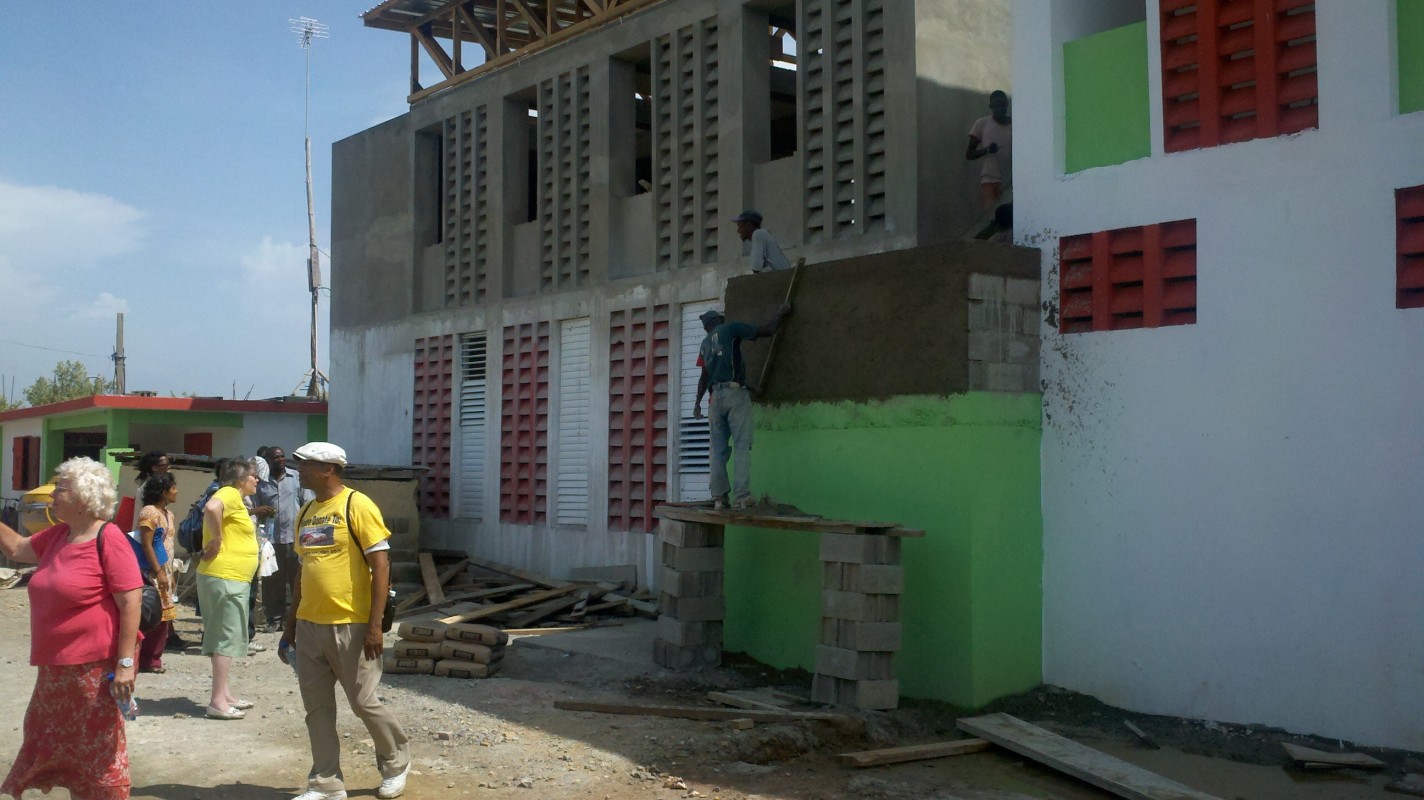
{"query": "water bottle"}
{"type": "Point", "coordinates": [288, 652]}
{"type": "Point", "coordinates": [128, 708]}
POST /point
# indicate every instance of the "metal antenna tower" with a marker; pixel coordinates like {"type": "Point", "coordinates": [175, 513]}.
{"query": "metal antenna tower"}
{"type": "Point", "coordinates": [317, 383]}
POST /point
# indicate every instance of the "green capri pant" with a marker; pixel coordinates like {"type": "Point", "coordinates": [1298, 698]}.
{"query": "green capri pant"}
{"type": "Point", "coordinates": [224, 615]}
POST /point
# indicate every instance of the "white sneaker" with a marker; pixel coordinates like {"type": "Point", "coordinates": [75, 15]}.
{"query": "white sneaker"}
{"type": "Point", "coordinates": [393, 787]}
{"type": "Point", "coordinates": [313, 794]}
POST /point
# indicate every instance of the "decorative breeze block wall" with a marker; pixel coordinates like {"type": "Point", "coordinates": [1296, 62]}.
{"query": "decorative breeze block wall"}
{"type": "Point", "coordinates": [565, 152]}
{"type": "Point", "coordinates": [524, 425]}
{"type": "Point", "coordinates": [1234, 70]}
{"type": "Point", "coordinates": [466, 209]}
{"type": "Point", "coordinates": [686, 105]}
{"type": "Point", "coordinates": [1409, 242]}
{"type": "Point", "coordinates": [1142, 277]}
{"type": "Point", "coordinates": [639, 374]}
{"type": "Point", "coordinates": [431, 421]}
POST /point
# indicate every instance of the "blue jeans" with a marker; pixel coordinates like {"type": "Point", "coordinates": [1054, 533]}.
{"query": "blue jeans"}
{"type": "Point", "coordinates": [730, 415]}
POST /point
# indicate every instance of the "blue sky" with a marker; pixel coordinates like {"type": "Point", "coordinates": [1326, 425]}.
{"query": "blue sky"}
{"type": "Point", "coordinates": [151, 162]}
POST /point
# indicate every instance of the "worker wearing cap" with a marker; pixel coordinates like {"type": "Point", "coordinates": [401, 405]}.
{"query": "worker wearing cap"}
{"type": "Point", "coordinates": [339, 596]}
{"type": "Point", "coordinates": [729, 411]}
{"type": "Point", "coordinates": [766, 253]}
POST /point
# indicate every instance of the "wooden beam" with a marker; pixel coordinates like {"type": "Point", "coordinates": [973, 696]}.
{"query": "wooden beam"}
{"type": "Point", "coordinates": [1311, 758]}
{"type": "Point", "coordinates": [477, 28]}
{"type": "Point", "coordinates": [521, 574]}
{"type": "Point", "coordinates": [1080, 761]}
{"type": "Point", "coordinates": [518, 602]}
{"type": "Point", "coordinates": [430, 579]}
{"type": "Point", "coordinates": [736, 701]}
{"type": "Point", "coordinates": [594, 8]}
{"type": "Point", "coordinates": [402, 613]}
{"type": "Point", "coordinates": [698, 712]}
{"type": "Point", "coordinates": [914, 752]}
{"type": "Point", "coordinates": [414, 63]}
{"type": "Point", "coordinates": [780, 522]}
{"type": "Point", "coordinates": [455, 40]}
{"type": "Point", "coordinates": [534, 23]}
{"type": "Point", "coordinates": [437, 53]}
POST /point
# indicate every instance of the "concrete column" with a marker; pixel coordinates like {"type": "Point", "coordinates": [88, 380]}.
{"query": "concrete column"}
{"type": "Point", "coordinates": [693, 606]}
{"type": "Point", "coordinates": [860, 621]}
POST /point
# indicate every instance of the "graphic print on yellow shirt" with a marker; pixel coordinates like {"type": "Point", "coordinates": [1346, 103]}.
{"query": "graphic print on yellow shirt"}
{"type": "Point", "coordinates": [336, 582]}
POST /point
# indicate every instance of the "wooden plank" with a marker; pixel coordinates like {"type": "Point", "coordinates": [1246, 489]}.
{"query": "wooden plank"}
{"type": "Point", "coordinates": [560, 629]}
{"type": "Point", "coordinates": [1080, 761]}
{"type": "Point", "coordinates": [479, 595]}
{"type": "Point", "coordinates": [622, 574]}
{"type": "Point", "coordinates": [914, 752]}
{"type": "Point", "coordinates": [430, 579]}
{"type": "Point", "coordinates": [737, 701]}
{"type": "Point", "coordinates": [698, 712]}
{"type": "Point", "coordinates": [544, 610]}
{"type": "Point", "coordinates": [642, 606]}
{"type": "Point", "coordinates": [518, 602]}
{"type": "Point", "coordinates": [784, 523]}
{"type": "Point", "coordinates": [522, 574]}
{"type": "Point", "coordinates": [1327, 760]}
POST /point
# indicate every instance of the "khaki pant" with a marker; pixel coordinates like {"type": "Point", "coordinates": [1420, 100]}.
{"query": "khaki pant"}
{"type": "Point", "coordinates": [326, 655]}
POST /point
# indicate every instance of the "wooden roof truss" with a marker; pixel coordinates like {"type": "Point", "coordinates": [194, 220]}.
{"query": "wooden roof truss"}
{"type": "Point", "coordinates": [504, 29]}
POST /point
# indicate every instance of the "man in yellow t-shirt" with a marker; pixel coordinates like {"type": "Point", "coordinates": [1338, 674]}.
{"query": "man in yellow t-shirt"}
{"type": "Point", "coordinates": [333, 629]}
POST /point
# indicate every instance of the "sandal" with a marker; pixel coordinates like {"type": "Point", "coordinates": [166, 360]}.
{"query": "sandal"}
{"type": "Point", "coordinates": [231, 713]}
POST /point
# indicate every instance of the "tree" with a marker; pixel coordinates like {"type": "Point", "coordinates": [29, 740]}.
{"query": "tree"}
{"type": "Point", "coordinates": [71, 381]}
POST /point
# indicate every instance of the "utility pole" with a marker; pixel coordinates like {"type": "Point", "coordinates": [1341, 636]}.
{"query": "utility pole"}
{"type": "Point", "coordinates": [120, 372]}
{"type": "Point", "coordinates": [307, 29]}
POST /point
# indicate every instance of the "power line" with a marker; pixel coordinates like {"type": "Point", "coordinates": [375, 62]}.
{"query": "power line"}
{"type": "Point", "coordinates": [51, 349]}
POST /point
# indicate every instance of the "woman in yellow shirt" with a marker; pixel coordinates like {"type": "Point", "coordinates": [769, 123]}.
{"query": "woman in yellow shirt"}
{"type": "Point", "coordinates": [225, 569]}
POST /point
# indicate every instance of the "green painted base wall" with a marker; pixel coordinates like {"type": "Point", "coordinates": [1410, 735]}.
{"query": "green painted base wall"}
{"type": "Point", "coordinates": [1105, 102]}
{"type": "Point", "coordinates": [1409, 18]}
{"type": "Point", "coordinates": [966, 470]}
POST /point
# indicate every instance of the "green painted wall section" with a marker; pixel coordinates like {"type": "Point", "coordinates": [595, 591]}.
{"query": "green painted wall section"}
{"type": "Point", "coordinates": [316, 428]}
{"type": "Point", "coordinates": [1409, 22]}
{"type": "Point", "coordinates": [187, 419]}
{"type": "Point", "coordinates": [963, 468]}
{"type": "Point", "coordinates": [1105, 103]}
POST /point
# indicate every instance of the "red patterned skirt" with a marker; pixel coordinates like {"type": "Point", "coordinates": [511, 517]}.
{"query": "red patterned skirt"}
{"type": "Point", "coordinates": [74, 736]}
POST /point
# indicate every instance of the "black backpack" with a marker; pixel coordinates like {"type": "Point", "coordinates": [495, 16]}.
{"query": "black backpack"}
{"type": "Point", "coordinates": [190, 530]}
{"type": "Point", "coordinates": [150, 606]}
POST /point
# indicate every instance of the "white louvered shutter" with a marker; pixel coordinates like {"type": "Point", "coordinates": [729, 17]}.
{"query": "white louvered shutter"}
{"type": "Point", "coordinates": [571, 501]}
{"type": "Point", "coordinates": [470, 483]}
{"type": "Point", "coordinates": [694, 438]}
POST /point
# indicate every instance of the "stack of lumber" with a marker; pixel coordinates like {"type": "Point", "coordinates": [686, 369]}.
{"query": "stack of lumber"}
{"type": "Point", "coordinates": [458, 622]}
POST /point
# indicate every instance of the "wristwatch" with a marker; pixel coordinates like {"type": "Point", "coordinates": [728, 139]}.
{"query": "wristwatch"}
{"type": "Point", "coordinates": [126, 662]}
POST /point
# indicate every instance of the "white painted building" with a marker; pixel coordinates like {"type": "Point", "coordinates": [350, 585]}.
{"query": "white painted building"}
{"type": "Point", "coordinates": [1232, 500]}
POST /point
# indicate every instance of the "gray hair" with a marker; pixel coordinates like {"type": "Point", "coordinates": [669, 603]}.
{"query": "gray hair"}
{"type": "Point", "coordinates": [92, 484]}
{"type": "Point", "coordinates": [235, 470]}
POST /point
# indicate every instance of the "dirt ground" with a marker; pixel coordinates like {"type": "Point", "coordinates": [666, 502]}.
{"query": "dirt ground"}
{"type": "Point", "coordinates": [502, 737]}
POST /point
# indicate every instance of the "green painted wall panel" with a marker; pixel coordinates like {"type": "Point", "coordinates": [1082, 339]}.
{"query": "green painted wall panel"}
{"type": "Point", "coordinates": [316, 428]}
{"type": "Point", "coordinates": [187, 419]}
{"type": "Point", "coordinates": [1106, 109]}
{"type": "Point", "coordinates": [966, 469]}
{"type": "Point", "coordinates": [1409, 18]}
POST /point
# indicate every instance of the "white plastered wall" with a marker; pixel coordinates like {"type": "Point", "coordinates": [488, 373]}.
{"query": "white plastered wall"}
{"type": "Point", "coordinates": [1232, 509]}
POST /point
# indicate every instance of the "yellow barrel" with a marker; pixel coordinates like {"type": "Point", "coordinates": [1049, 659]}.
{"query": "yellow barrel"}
{"type": "Point", "coordinates": [35, 513]}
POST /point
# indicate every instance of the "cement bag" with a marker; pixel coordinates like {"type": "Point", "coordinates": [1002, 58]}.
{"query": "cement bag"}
{"type": "Point", "coordinates": [396, 665]}
{"type": "Point", "coordinates": [412, 649]}
{"type": "Point", "coordinates": [423, 630]}
{"type": "Point", "coordinates": [450, 668]}
{"type": "Point", "coordinates": [479, 634]}
{"type": "Point", "coordinates": [469, 651]}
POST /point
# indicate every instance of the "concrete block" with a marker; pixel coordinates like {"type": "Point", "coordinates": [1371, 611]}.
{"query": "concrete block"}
{"type": "Point", "coordinates": [1021, 291]}
{"type": "Point", "coordinates": [693, 559]}
{"type": "Point", "coordinates": [978, 315]}
{"type": "Point", "coordinates": [860, 607]}
{"type": "Point", "coordinates": [1005, 377]}
{"type": "Point", "coordinates": [690, 584]}
{"type": "Point", "coordinates": [667, 654]}
{"type": "Point", "coordinates": [825, 689]}
{"type": "Point", "coordinates": [853, 664]}
{"type": "Point", "coordinates": [885, 637]}
{"type": "Point", "coordinates": [877, 578]}
{"type": "Point", "coordinates": [684, 634]}
{"type": "Point", "coordinates": [980, 345]}
{"type": "Point", "coordinates": [876, 695]}
{"type": "Point", "coordinates": [854, 548]}
{"type": "Point", "coordinates": [986, 287]}
{"type": "Point", "coordinates": [694, 609]}
{"type": "Point", "coordinates": [689, 534]}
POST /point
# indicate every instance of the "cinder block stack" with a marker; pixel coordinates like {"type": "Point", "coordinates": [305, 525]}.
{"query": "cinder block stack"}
{"type": "Point", "coordinates": [460, 650]}
{"type": "Point", "coordinates": [692, 606]}
{"type": "Point", "coordinates": [862, 580]}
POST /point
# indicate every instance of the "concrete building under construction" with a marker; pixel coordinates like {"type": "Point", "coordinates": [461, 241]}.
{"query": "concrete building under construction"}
{"type": "Point", "coordinates": [520, 262]}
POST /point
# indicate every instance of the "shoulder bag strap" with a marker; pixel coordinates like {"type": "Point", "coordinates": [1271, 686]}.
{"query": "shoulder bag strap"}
{"type": "Point", "coordinates": [351, 529]}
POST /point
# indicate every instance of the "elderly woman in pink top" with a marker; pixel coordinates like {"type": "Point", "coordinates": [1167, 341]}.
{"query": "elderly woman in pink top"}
{"type": "Point", "coordinates": [85, 602]}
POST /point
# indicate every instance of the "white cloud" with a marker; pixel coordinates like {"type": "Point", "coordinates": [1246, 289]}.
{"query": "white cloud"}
{"type": "Point", "coordinates": [51, 229]}
{"type": "Point", "coordinates": [104, 308]}
{"type": "Point", "coordinates": [270, 260]}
